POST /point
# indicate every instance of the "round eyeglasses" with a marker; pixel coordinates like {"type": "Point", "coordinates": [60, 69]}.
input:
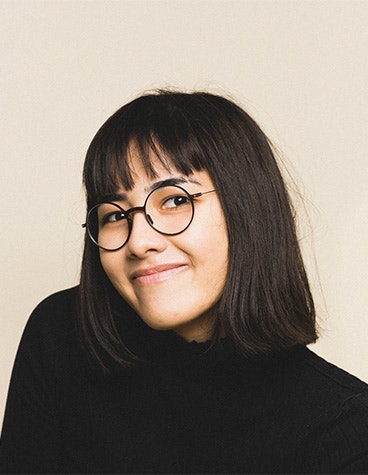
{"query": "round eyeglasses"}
{"type": "Point", "coordinates": [168, 209]}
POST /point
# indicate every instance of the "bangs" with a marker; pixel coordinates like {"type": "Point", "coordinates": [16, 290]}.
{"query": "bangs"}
{"type": "Point", "coordinates": [159, 131]}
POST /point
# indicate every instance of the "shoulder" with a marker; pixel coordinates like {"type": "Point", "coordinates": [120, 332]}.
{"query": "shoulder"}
{"type": "Point", "coordinates": [52, 323]}
{"type": "Point", "coordinates": [64, 300]}
{"type": "Point", "coordinates": [343, 392]}
{"type": "Point", "coordinates": [58, 308]}
{"type": "Point", "coordinates": [322, 394]}
{"type": "Point", "coordinates": [336, 403]}
{"type": "Point", "coordinates": [333, 378]}
{"type": "Point", "coordinates": [326, 387]}
{"type": "Point", "coordinates": [325, 409]}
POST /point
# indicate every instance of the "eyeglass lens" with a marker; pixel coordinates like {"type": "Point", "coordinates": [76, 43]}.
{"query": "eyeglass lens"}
{"type": "Point", "coordinates": [168, 210]}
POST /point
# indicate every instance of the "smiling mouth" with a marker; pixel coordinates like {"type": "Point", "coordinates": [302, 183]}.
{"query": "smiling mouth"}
{"type": "Point", "coordinates": [157, 274]}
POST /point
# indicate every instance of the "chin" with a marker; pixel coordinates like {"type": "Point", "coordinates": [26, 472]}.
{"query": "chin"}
{"type": "Point", "coordinates": [159, 325]}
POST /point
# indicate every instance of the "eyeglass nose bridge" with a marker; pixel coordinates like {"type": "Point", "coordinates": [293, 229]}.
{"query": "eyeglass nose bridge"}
{"type": "Point", "coordinates": [138, 209]}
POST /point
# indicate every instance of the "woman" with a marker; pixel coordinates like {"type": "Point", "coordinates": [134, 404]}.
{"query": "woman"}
{"type": "Point", "coordinates": [183, 350]}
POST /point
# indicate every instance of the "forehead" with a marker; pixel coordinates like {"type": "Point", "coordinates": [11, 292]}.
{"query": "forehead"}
{"type": "Point", "coordinates": [157, 171]}
{"type": "Point", "coordinates": [147, 168]}
{"type": "Point", "coordinates": [144, 182]}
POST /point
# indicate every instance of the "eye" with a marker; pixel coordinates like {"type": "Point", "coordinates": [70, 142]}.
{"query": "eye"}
{"type": "Point", "coordinates": [175, 202]}
{"type": "Point", "coordinates": [112, 217]}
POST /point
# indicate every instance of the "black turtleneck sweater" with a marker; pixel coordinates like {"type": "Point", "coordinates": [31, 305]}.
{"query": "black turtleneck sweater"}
{"type": "Point", "coordinates": [194, 408]}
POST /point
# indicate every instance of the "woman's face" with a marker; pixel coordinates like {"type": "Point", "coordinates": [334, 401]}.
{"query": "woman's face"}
{"type": "Point", "coordinates": [172, 282]}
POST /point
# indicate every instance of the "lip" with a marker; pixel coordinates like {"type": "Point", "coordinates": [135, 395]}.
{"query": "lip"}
{"type": "Point", "coordinates": [156, 274]}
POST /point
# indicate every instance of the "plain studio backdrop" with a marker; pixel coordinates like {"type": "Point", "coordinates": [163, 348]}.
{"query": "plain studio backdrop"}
{"type": "Point", "coordinates": [299, 67]}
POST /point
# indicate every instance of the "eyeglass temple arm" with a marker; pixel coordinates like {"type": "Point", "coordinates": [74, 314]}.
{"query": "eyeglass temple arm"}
{"type": "Point", "coordinates": [197, 195]}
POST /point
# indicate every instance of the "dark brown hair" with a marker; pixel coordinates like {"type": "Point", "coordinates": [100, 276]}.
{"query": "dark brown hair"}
{"type": "Point", "coordinates": [266, 303]}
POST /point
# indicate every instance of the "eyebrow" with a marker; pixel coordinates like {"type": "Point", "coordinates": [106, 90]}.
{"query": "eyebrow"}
{"type": "Point", "coordinates": [172, 181]}
{"type": "Point", "coordinates": [179, 180]}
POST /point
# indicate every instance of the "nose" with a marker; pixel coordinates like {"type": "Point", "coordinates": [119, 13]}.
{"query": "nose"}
{"type": "Point", "coordinates": [143, 238]}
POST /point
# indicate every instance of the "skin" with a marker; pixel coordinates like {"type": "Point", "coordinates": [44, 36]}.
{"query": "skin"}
{"type": "Point", "coordinates": [172, 282]}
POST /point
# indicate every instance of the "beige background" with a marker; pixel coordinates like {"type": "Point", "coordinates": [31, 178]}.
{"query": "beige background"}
{"type": "Point", "coordinates": [299, 67]}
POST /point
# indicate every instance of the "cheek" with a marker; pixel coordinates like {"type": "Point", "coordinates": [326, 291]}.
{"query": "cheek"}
{"type": "Point", "coordinates": [112, 263]}
{"type": "Point", "coordinates": [207, 245]}
{"type": "Point", "coordinates": [212, 236]}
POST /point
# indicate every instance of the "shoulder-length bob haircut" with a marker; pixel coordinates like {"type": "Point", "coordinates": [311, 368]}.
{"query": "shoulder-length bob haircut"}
{"type": "Point", "coordinates": [266, 303]}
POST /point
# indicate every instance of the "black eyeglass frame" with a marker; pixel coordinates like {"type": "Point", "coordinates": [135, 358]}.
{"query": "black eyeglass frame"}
{"type": "Point", "coordinates": [135, 209]}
